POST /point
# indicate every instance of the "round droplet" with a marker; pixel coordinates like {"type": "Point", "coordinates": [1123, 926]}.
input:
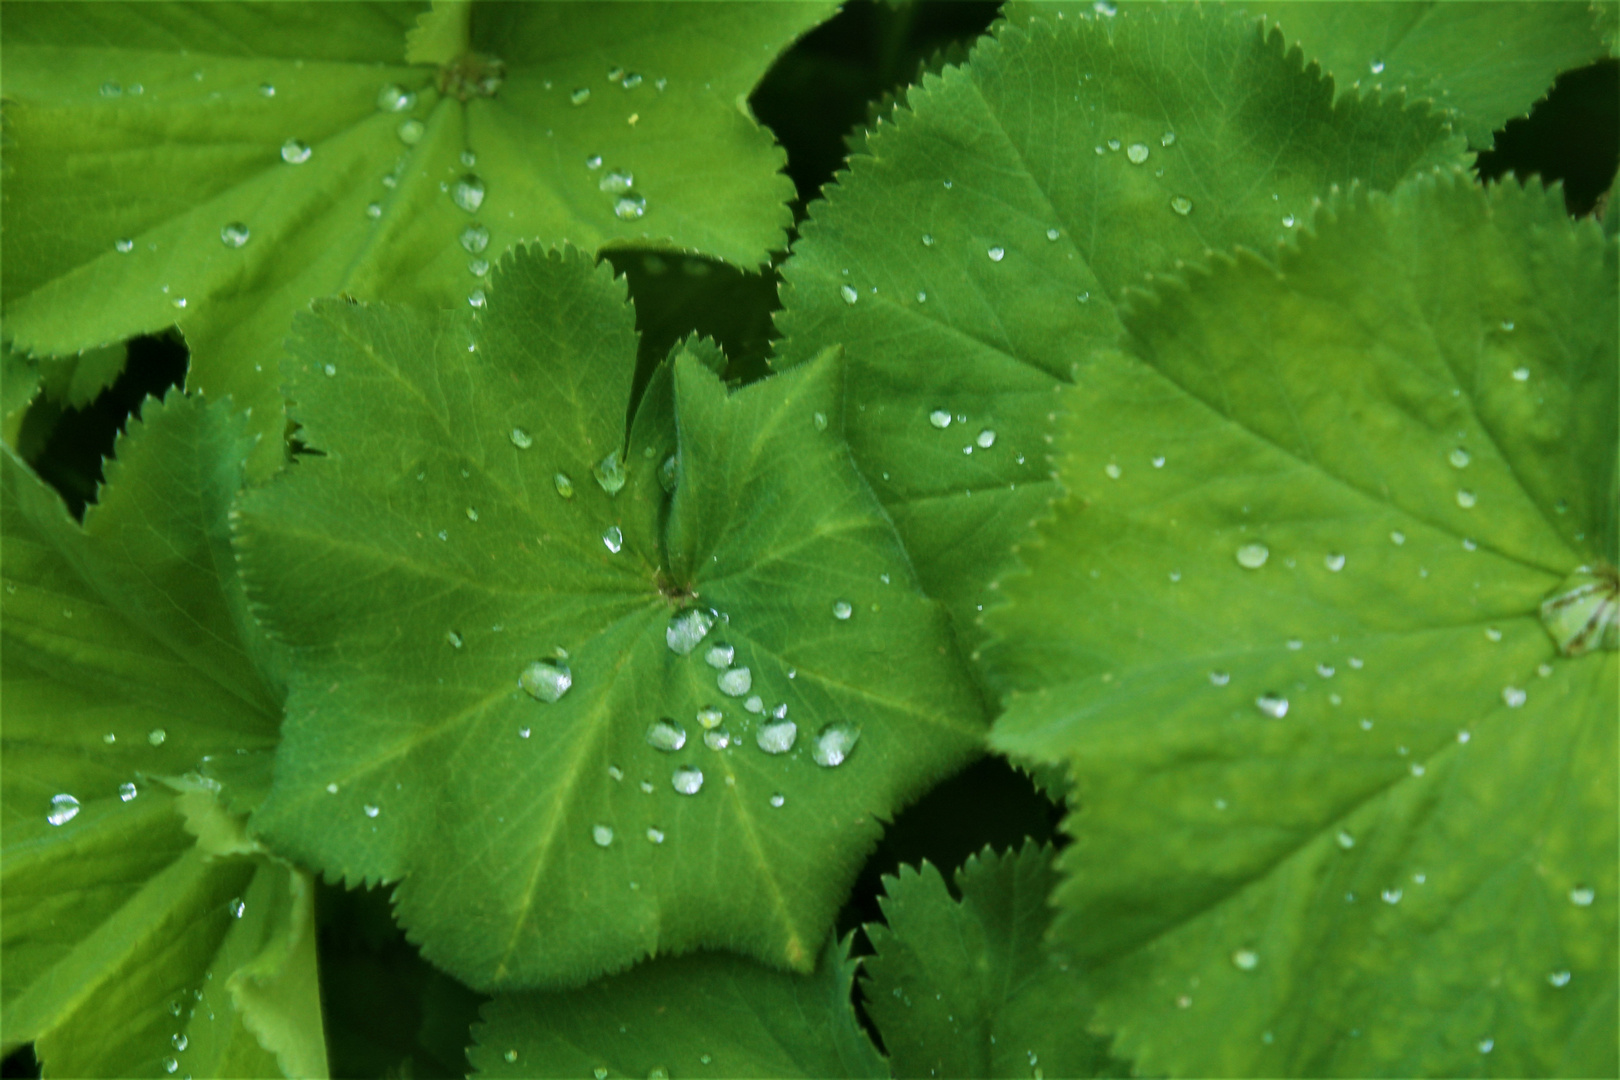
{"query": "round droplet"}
{"type": "Point", "coordinates": [1273, 705]}
{"type": "Point", "coordinates": [842, 610]}
{"type": "Point", "coordinates": [848, 293]}
{"type": "Point", "coordinates": [580, 96]}
{"type": "Point", "coordinates": [717, 739]}
{"type": "Point", "coordinates": [602, 835]}
{"type": "Point", "coordinates": [709, 717]}
{"type": "Point", "coordinates": [395, 98]}
{"type": "Point", "coordinates": [564, 486]}
{"type": "Point", "coordinates": [618, 182]}
{"type": "Point", "coordinates": [475, 238]}
{"type": "Point", "coordinates": [666, 735]}
{"type": "Point", "coordinates": [111, 90]}
{"type": "Point", "coordinates": [1334, 561]}
{"type": "Point", "coordinates": [610, 473]}
{"type": "Point", "coordinates": [468, 158]}
{"type": "Point", "coordinates": [1582, 896]}
{"type": "Point", "coordinates": [1391, 896]}
{"type": "Point", "coordinates": [1558, 979]}
{"type": "Point", "coordinates": [736, 682]}
{"type": "Point", "coordinates": [612, 539]}
{"type": "Point", "coordinates": [1167, 139]}
{"type": "Point", "coordinates": [631, 81]}
{"type": "Point", "coordinates": [170, 1065]}
{"type": "Point", "coordinates": [180, 1041]}
{"type": "Point", "coordinates": [1220, 678]}
{"type": "Point", "coordinates": [1181, 205]}
{"type": "Point", "coordinates": [1459, 458]}
{"type": "Point", "coordinates": [410, 132]}
{"type": "Point", "coordinates": [629, 207]}
{"type": "Point", "coordinates": [295, 151]}
{"type": "Point", "coordinates": [997, 254]}
{"type": "Point", "coordinates": [124, 246]}
{"type": "Point", "coordinates": [511, 1056]}
{"type": "Point", "coordinates": [1513, 696]}
{"type": "Point", "coordinates": [985, 439]}
{"type": "Point", "coordinates": [1466, 499]}
{"type": "Point", "coordinates": [834, 743]}
{"type": "Point", "coordinates": [468, 193]}
{"type": "Point", "coordinates": [234, 235]}
{"type": "Point", "coordinates": [1112, 471]}
{"type": "Point", "coordinates": [372, 811]}
{"type": "Point", "coordinates": [1053, 234]}
{"type": "Point", "coordinates": [669, 473]}
{"type": "Point", "coordinates": [1345, 840]}
{"type": "Point", "coordinates": [1245, 959]}
{"type": "Point", "coordinates": [156, 736]}
{"type": "Point", "coordinates": [928, 240]}
{"type": "Point", "coordinates": [657, 837]}
{"type": "Point", "coordinates": [1376, 67]}
{"type": "Point", "coordinates": [687, 779]}
{"type": "Point", "coordinates": [687, 629]}
{"type": "Point", "coordinates": [127, 791]}
{"type": "Point", "coordinates": [520, 438]}
{"type": "Point", "coordinates": [477, 299]}
{"type": "Point", "coordinates": [777, 737]}
{"type": "Point", "coordinates": [1521, 374]}
{"type": "Point", "coordinates": [1253, 556]}
{"type": "Point", "coordinates": [940, 418]}
{"type": "Point", "coordinates": [64, 808]}
{"type": "Point", "coordinates": [779, 800]}
{"type": "Point", "coordinates": [1486, 1045]}
{"type": "Point", "coordinates": [720, 655]}
{"type": "Point", "coordinates": [1136, 153]}
{"type": "Point", "coordinates": [546, 680]}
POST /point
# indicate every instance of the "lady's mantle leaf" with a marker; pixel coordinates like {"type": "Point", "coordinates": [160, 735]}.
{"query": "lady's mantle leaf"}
{"type": "Point", "coordinates": [691, 1016]}
{"type": "Point", "coordinates": [216, 166]}
{"type": "Point", "coordinates": [1287, 636]}
{"type": "Point", "coordinates": [505, 692]}
{"type": "Point", "coordinates": [127, 659]}
{"type": "Point", "coordinates": [966, 988]}
{"type": "Point", "coordinates": [974, 256]}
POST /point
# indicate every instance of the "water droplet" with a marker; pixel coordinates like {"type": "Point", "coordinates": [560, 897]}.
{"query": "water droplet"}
{"type": "Point", "coordinates": [477, 299]}
{"type": "Point", "coordinates": [1376, 67]}
{"type": "Point", "coordinates": [372, 811]}
{"type": "Point", "coordinates": [629, 207]}
{"type": "Point", "coordinates": [295, 151]}
{"type": "Point", "coordinates": [602, 835]}
{"type": "Point", "coordinates": [468, 159]}
{"type": "Point", "coordinates": [1345, 840]}
{"type": "Point", "coordinates": [687, 629]}
{"type": "Point", "coordinates": [1167, 139]}
{"type": "Point", "coordinates": [1253, 556]}
{"type": "Point", "coordinates": [475, 238]}
{"type": "Point", "coordinates": [1521, 374]}
{"type": "Point", "coordinates": [717, 739]}
{"type": "Point", "coordinates": [666, 735]}
{"type": "Point", "coordinates": [1582, 896]}
{"type": "Point", "coordinates": [754, 704]}
{"type": "Point", "coordinates": [997, 254]}
{"type": "Point", "coordinates": [1053, 234]}
{"type": "Point", "coordinates": [156, 736]}
{"type": "Point", "coordinates": [985, 439]}
{"type": "Point", "coordinates": [940, 418]}
{"type": "Point", "coordinates": [1391, 896]}
{"type": "Point", "coordinates": [127, 791]}
{"type": "Point", "coordinates": [618, 182]}
{"type": "Point", "coordinates": [610, 473]}
{"type": "Point", "coordinates": [546, 680]}
{"type": "Point", "coordinates": [1466, 498]}
{"type": "Point", "coordinates": [612, 539]}
{"type": "Point", "coordinates": [1184, 1001]}
{"type": "Point", "coordinates": [687, 779]}
{"type": "Point", "coordinates": [468, 193]}
{"type": "Point", "coordinates": [410, 132]}
{"type": "Point", "coordinates": [180, 1041]}
{"type": "Point", "coordinates": [1181, 205]}
{"type": "Point", "coordinates": [170, 1065]}
{"type": "Point", "coordinates": [1513, 697]}
{"type": "Point", "coordinates": [778, 800]}
{"type": "Point", "coordinates": [736, 682]}
{"type": "Point", "coordinates": [777, 737]}
{"type": "Point", "coordinates": [124, 246]}
{"type": "Point", "coordinates": [1273, 705]}
{"type": "Point", "coordinates": [1325, 670]}
{"type": "Point", "coordinates": [1558, 979]}
{"type": "Point", "coordinates": [1220, 678]}
{"type": "Point", "coordinates": [1136, 153]}
{"type": "Point", "coordinates": [1245, 959]}
{"type": "Point", "coordinates": [520, 438]}
{"type": "Point", "coordinates": [564, 486]}
{"type": "Point", "coordinates": [1334, 561]}
{"type": "Point", "coordinates": [234, 235]}
{"type": "Point", "coordinates": [1112, 471]}
{"type": "Point", "coordinates": [834, 743]}
{"type": "Point", "coordinates": [64, 808]}
{"type": "Point", "coordinates": [848, 293]}
{"type": "Point", "coordinates": [1113, 144]}
{"type": "Point", "coordinates": [511, 1056]}
{"type": "Point", "coordinates": [842, 610]}
{"type": "Point", "coordinates": [1459, 458]}
{"type": "Point", "coordinates": [580, 96]}
{"type": "Point", "coordinates": [1487, 1045]}
{"type": "Point", "coordinates": [395, 98]}
{"type": "Point", "coordinates": [720, 655]}
{"type": "Point", "coordinates": [657, 837]}
{"type": "Point", "coordinates": [179, 303]}
{"type": "Point", "coordinates": [111, 90]}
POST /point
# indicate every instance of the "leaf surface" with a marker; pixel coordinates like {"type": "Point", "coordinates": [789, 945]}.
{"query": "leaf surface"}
{"type": "Point", "coordinates": [314, 161]}
{"type": "Point", "coordinates": [1344, 807]}
{"type": "Point", "coordinates": [973, 255]}
{"type": "Point", "coordinates": [127, 661]}
{"type": "Point", "coordinates": [706, 1015]}
{"type": "Point", "coordinates": [965, 988]}
{"type": "Point", "coordinates": [430, 566]}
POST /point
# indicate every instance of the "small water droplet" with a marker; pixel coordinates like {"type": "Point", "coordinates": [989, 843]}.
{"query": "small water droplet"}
{"type": "Point", "coordinates": [1391, 896]}
{"type": "Point", "coordinates": [468, 193]}
{"type": "Point", "coordinates": [687, 779]}
{"type": "Point", "coordinates": [666, 735]}
{"type": "Point", "coordinates": [612, 539]}
{"type": "Point", "coordinates": [1325, 670]}
{"type": "Point", "coordinates": [1112, 471]}
{"type": "Point", "coordinates": [180, 1041]}
{"type": "Point", "coordinates": [127, 791]}
{"type": "Point", "coordinates": [546, 680]}
{"type": "Point", "coordinates": [1558, 979]}
{"type": "Point", "coordinates": [1167, 139]}
{"type": "Point", "coordinates": [580, 96]}
{"type": "Point", "coordinates": [842, 610]}
{"type": "Point", "coordinates": [1113, 144]}
{"type": "Point", "coordinates": [717, 739]}
{"type": "Point", "coordinates": [629, 207]}
{"type": "Point", "coordinates": [1397, 538]}
{"type": "Point", "coordinates": [777, 737]}
{"type": "Point", "coordinates": [372, 811]}
{"type": "Point", "coordinates": [179, 303]}
{"type": "Point", "coordinates": [1334, 561]}
{"type": "Point", "coordinates": [124, 246]}
{"type": "Point", "coordinates": [156, 736]}
{"type": "Point", "coordinates": [1466, 498]}
{"type": "Point", "coordinates": [1521, 374]}
{"type": "Point", "coordinates": [997, 254]}
{"type": "Point", "coordinates": [687, 629]}
{"type": "Point", "coordinates": [754, 704]}
{"type": "Point", "coordinates": [170, 1065]}
{"type": "Point", "coordinates": [64, 808]}
{"type": "Point", "coordinates": [654, 835]}
{"type": "Point", "coordinates": [736, 682]}
{"type": "Point", "coordinates": [1219, 678]}
{"type": "Point", "coordinates": [1582, 896]}
{"type": "Point", "coordinates": [778, 800]}
{"type": "Point", "coordinates": [985, 439]}
{"type": "Point", "coordinates": [295, 151]}
{"type": "Point", "coordinates": [111, 90]}
{"type": "Point", "coordinates": [940, 418]}
{"type": "Point", "coordinates": [709, 717]}
{"type": "Point", "coordinates": [1053, 234]}
{"type": "Point", "coordinates": [475, 238]}
{"type": "Point", "coordinates": [1245, 959]}
{"type": "Point", "coordinates": [1181, 205]}
{"type": "Point", "coordinates": [1459, 458]}
{"type": "Point", "coordinates": [410, 132]}
{"type": "Point", "coordinates": [234, 235]}
{"type": "Point", "coordinates": [1513, 696]}
{"type": "Point", "coordinates": [1253, 556]}
{"type": "Point", "coordinates": [1345, 840]}
{"type": "Point", "coordinates": [1136, 153]}
{"type": "Point", "coordinates": [1184, 1001]}
{"type": "Point", "coordinates": [618, 182]}
{"type": "Point", "coordinates": [1273, 705]}
{"type": "Point", "coordinates": [834, 743]}
{"type": "Point", "coordinates": [1487, 1045]}
{"type": "Point", "coordinates": [1376, 67]}
{"type": "Point", "coordinates": [520, 438]}
{"type": "Point", "coordinates": [610, 473]}
{"type": "Point", "coordinates": [511, 1056]}
{"type": "Point", "coordinates": [602, 835]}
{"type": "Point", "coordinates": [848, 293]}
{"type": "Point", "coordinates": [720, 655]}
{"type": "Point", "coordinates": [395, 98]}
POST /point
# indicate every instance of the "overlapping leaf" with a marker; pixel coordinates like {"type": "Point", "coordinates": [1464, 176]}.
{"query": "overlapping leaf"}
{"type": "Point", "coordinates": [1345, 806]}
{"type": "Point", "coordinates": [315, 160]}
{"type": "Point", "coordinates": [974, 255]}
{"type": "Point", "coordinates": [707, 1015]}
{"type": "Point", "coordinates": [128, 662]}
{"type": "Point", "coordinates": [454, 546]}
{"type": "Point", "coordinates": [965, 988]}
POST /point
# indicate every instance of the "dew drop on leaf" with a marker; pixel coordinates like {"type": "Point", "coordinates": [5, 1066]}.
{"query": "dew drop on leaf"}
{"type": "Point", "coordinates": [629, 207]}
{"type": "Point", "coordinates": [718, 739]}
{"type": "Point", "coordinates": [1053, 234]}
{"type": "Point", "coordinates": [124, 246]}
{"type": "Point", "coordinates": [985, 439]}
{"type": "Point", "coordinates": [156, 736]}
{"type": "Point", "coordinates": [111, 90]}
{"type": "Point", "coordinates": [754, 704]}
{"type": "Point", "coordinates": [410, 132]}
{"type": "Point", "coordinates": [1136, 153]}
{"type": "Point", "coordinates": [1466, 499]}
{"type": "Point", "coordinates": [546, 680]}
{"type": "Point", "coordinates": [468, 193]}
{"type": "Point", "coordinates": [1245, 959]}
{"type": "Point", "coordinates": [1582, 896]}
{"type": "Point", "coordinates": [1167, 139]}
{"type": "Point", "coordinates": [720, 655]}
{"type": "Point", "coordinates": [510, 1056]}
{"type": "Point", "coordinates": [1558, 979]}
{"type": "Point", "coordinates": [1345, 840]}
{"type": "Point", "coordinates": [1513, 696]}
{"type": "Point", "coordinates": [234, 235]}
{"type": "Point", "coordinates": [127, 791]}
{"type": "Point", "coordinates": [580, 96]}
{"type": "Point", "coordinates": [736, 682]}
{"type": "Point", "coordinates": [618, 182]}
{"type": "Point", "coordinates": [64, 808]}
{"type": "Point", "coordinates": [170, 1065]}
{"type": "Point", "coordinates": [778, 800]}
{"type": "Point", "coordinates": [848, 293]}
{"type": "Point", "coordinates": [777, 737]}
{"type": "Point", "coordinates": [1521, 374]}
{"type": "Point", "coordinates": [709, 717]}
{"type": "Point", "coordinates": [1334, 561]}
{"type": "Point", "coordinates": [180, 1041]}
{"type": "Point", "coordinates": [928, 240]}
{"type": "Point", "coordinates": [564, 486]}
{"type": "Point", "coordinates": [1391, 896]}
{"type": "Point", "coordinates": [602, 835]}
{"type": "Point", "coordinates": [295, 151]}
{"type": "Point", "coordinates": [1219, 678]}
{"type": "Point", "coordinates": [1253, 556]}
{"type": "Point", "coordinates": [1376, 67]}
{"type": "Point", "coordinates": [1273, 705]}
{"type": "Point", "coordinates": [687, 629]}
{"type": "Point", "coordinates": [395, 98]}
{"type": "Point", "coordinates": [940, 418]}
{"type": "Point", "coordinates": [666, 735]}
{"type": "Point", "coordinates": [657, 837]}
{"type": "Point", "coordinates": [1181, 205]}
{"type": "Point", "coordinates": [610, 474]}
{"type": "Point", "coordinates": [842, 610]}
{"type": "Point", "coordinates": [520, 438]}
{"type": "Point", "coordinates": [834, 743]}
{"type": "Point", "coordinates": [687, 779]}
{"type": "Point", "coordinates": [612, 539]}
{"type": "Point", "coordinates": [997, 254]}
{"type": "Point", "coordinates": [1459, 458]}
{"type": "Point", "coordinates": [477, 299]}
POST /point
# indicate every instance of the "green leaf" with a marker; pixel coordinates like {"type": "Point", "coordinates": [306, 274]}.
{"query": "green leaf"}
{"type": "Point", "coordinates": [78, 380]}
{"type": "Point", "coordinates": [427, 569]}
{"type": "Point", "coordinates": [127, 658]}
{"type": "Point", "coordinates": [965, 988]}
{"type": "Point", "coordinates": [974, 254]}
{"type": "Point", "coordinates": [692, 1016]}
{"type": "Point", "coordinates": [1286, 635]}
{"type": "Point", "coordinates": [215, 168]}
{"type": "Point", "coordinates": [1486, 62]}
{"type": "Point", "coordinates": [19, 386]}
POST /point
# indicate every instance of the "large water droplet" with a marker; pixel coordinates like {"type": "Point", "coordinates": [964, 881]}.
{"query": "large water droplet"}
{"type": "Point", "coordinates": [997, 254]}
{"type": "Point", "coordinates": [610, 473]}
{"type": "Point", "coordinates": [295, 151]}
{"type": "Point", "coordinates": [234, 235]}
{"type": "Point", "coordinates": [985, 439]}
{"type": "Point", "coordinates": [666, 735]}
{"type": "Point", "coordinates": [848, 293]}
{"type": "Point", "coordinates": [834, 743]}
{"type": "Point", "coordinates": [156, 736]}
{"type": "Point", "coordinates": [687, 779]}
{"type": "Point", "coordinates": [410, 132]}
{"type": "Point", "coordinates": [468, 193]}
{"type": "Point", "coordinates": [395, 98]}
{"type": "Point", "coordinates": [617, 181]}
{"type": "Point", "coordinates": [1582, 896]}
{"type": "Point", "coordinates": [687, 629]}
{"type": "Point", "coordinates": [777, 737]}
{"type": "Point", "coordinates": [546, 680]}
{"type": "Point", "coordinates": [475, 238]}
{"type": "Point", "coordinates": [1273, 705]}
{"type": "Point", "coordinates": [1466, 499]}
{"type": "Point", "coordinates": [842, 610]}
{"type": "Point", "coordinates": [709, 717]}
{"type": "Point", "coordinates": [629, 207]}
{"type": "Point", "coordinates": [720, 655]}
{"type": "Point", "coordinates": [612, 539]}
{"type": "Point", "coordinates": [127, 791]}
{"type": "Point", "coordinates": [1181, 205]}
{"type": "Point", "coordinates": [1253, 556]}
{"type": "Point", "coordinates": [602, 835]}
{"type": "Point", "coordinates": [64, 808]}
{"type": "Point", "coordinates": [179, 1041]}
{"type": "Point", "coordinates": [1245, 959]}
{"type": "Point", "coordinates": [1136, 153]}
{"type": "Point", "coordinates": [940, 418]}
{"type": "Point", "coordinates": [736, 682]}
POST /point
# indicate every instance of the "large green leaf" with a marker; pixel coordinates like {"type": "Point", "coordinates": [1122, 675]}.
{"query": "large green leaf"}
{"type": "Point", "coordinates": [707, 1015]}
{"type": "Point", "coordinates": [973, 255]}
{"type": "Point", "coordinates": [1486, 62]}
{"type": "Point", "coordinates": [128, 659]}
{"type": "Point", "coordinates": [215, 166]}
{"type": "Point", "coordinates": [1345, 807]}
{"type": "Point", "coordinates": [965, 988]}
{"type": "Point", "coordinates": [485, 635]}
